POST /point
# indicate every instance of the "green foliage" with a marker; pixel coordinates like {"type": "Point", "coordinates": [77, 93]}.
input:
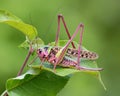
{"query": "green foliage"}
{"type": "Point", "coordinates": [40, 80]}
{"type": "Point", "coordinates": [12, 20]}
{"type": "Point", "coordinates": [43, 81]}
{"type": "Point", "coordinates": [36, 82]}
{"type": "Point", "coordinates": [37, 42]}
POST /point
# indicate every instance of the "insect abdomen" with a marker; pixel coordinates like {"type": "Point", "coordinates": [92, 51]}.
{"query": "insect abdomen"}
{"type": "Point", "coordinates": [68, 63]}
{"type": "Point", "coordinates": [83, 54]}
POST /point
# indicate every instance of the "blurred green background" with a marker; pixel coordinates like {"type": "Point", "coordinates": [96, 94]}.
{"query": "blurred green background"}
{"type": "Point", "coordinates": [102, 35]}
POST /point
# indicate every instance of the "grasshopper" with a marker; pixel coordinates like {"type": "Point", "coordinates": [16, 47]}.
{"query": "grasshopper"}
{"type": "Point", "coordinates": [61, 56]}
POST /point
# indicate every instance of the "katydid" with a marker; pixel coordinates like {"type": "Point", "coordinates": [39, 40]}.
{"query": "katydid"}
{"type": "Point", "coordinates": [58, 55]}
{"type": "Point", "coordinates": [61, 56]}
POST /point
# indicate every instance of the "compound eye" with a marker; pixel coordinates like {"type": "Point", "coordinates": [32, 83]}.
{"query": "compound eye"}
{"type": "Point", "coordinates": [40, 51]}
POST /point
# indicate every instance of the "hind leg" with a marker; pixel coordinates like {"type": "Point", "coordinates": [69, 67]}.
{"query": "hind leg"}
{"type": "Point", "coordinates": [60, 17]}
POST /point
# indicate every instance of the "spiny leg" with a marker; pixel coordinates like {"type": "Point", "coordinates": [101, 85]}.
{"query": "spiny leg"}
{"type": "Point", "coordinates": [41, 63]}
{"type": "Point", "coordinates": [58, 30]}
{"type": "Point", "coordinates": [33, 59]}
{"type": "Point", "coordinates": [88, 69]}
{"type": "Point", "coordinates": [25, 62]}
{"type": "Point", "coordinates": [80, 41]}
{"type": "Point", "coordinates": [62, 52]}
{"type": "Point", "coordinates": [79, 50]}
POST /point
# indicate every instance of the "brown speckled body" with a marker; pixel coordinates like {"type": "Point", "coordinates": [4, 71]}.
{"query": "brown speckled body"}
{"type": "Point", "coordinates": [65, 62]}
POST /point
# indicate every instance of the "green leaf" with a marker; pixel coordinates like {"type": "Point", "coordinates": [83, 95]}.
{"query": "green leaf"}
{"type": "Point", "coordinates": [42, 81]}
{"type": "Point", "coordinates": [10, 19]}
{"type": "Point", "coordinates": [62, 71]}
{"type": "Point", "coordinates": [35, 43]}
{"type": "Point", "coordinates": [36, 83]}
{"type": "Point", "coordinates": [63, 43]}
